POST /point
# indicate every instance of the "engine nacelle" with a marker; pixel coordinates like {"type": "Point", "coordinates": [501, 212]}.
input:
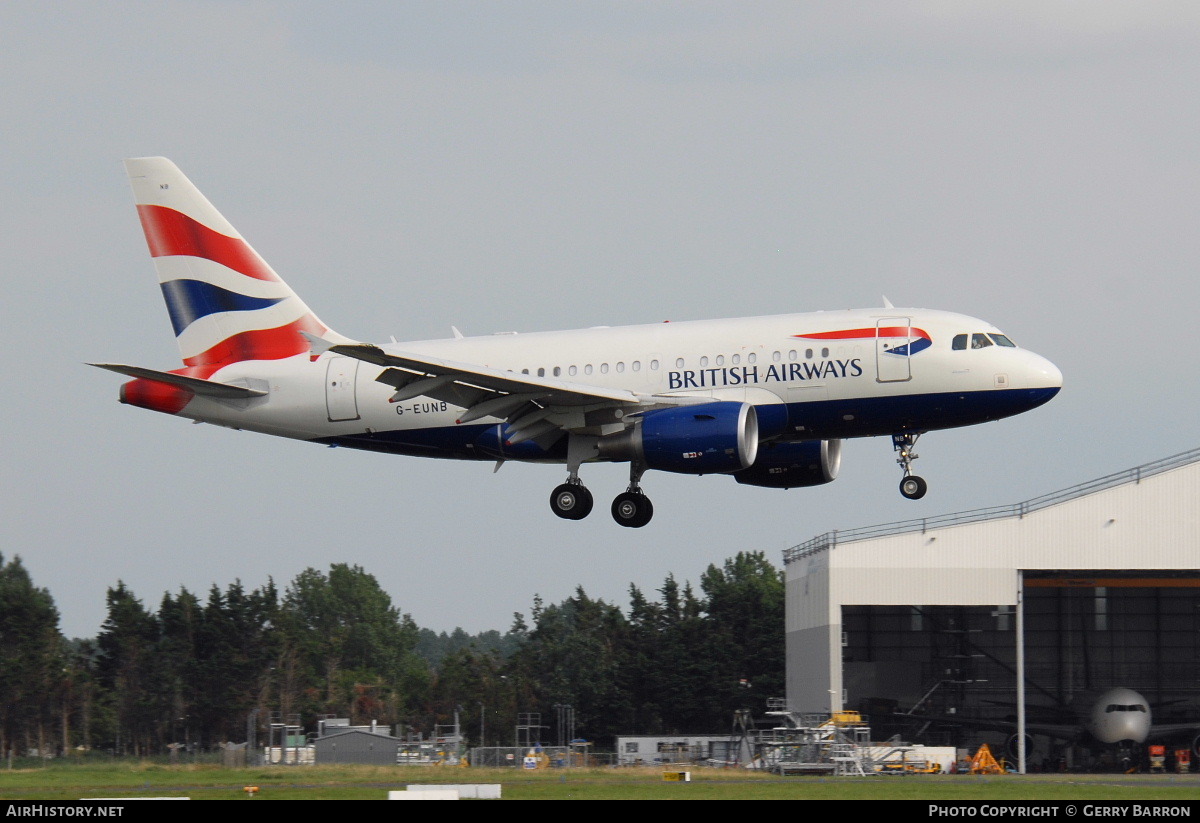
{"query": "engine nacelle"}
{"type": "Point", "coordinates": [708, 438]}
{"type": "Point", "coordinates": [791, 465]}
{"type": "Point", "coordinates": [1014, 746]}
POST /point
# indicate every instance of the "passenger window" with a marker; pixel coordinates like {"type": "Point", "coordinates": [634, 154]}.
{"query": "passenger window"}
{"type": "Point", "coordinates": [572, 370]}
{"type": "Point", "coordinates": [776, 357]}
{"type": "Point", "coordinates": [604, 368]}
{"type": "Point", "coordinates": [737, 358]}
{"type": "Point", "coordinates": [720, 360]}
{"type": "Point", "coordinates": [959, 343]}
{"type": "Point", "coordinates": [637, 365]}
{"type": "Point", "coordinates": [980, 341]}
{"type": "Point", "coordinates": [808, 354]}
{"type": "Point", "coordinates": [792, 354]}
{"type": "Point", "coordinates": [825, 353]}
{"type": "Point", "coordinates": [541, 372]}
{"type": "Point", "coordinates": [653, 365]}
{"type": "Point", "coordinates": [620, 368]}
{"type": "Point", "coordinates": [587, 369]}
{"type": "Point", "coordinates": [558, 371]}
{"type": "Point", "coordinates": [751, 357]}
{"type": "Point", "coordinates": [703, 361]}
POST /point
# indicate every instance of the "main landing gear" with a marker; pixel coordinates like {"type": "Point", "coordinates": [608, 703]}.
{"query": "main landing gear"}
{"type": "Point", "coordinates": [631, 508]}
{"type": "Point", "coordinates": [571, 500]}
{"type": "Point", "coordinates": [911, 486]}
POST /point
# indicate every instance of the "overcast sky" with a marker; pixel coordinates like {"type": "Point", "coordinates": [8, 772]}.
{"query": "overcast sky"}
{"type": "Point", "coordinates": [542, 165]}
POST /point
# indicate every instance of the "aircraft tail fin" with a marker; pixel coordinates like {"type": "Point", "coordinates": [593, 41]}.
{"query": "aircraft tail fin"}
{"type": "Point", "coordinates": [226, 304]}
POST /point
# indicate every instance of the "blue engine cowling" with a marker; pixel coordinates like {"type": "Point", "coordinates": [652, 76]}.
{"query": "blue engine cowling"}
{"type": "Point", "coordinates": [791, 465]}
{"type": "Point", "coordinates": [708, 438]}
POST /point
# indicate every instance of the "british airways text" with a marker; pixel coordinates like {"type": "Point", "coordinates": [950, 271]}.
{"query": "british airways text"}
{"type": "Point", "coordinates": [776, 373]}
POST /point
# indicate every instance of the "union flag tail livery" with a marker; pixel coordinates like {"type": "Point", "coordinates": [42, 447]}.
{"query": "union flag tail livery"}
{"type": "Point", "coordinates": [766, 399]}
{"type": "Point", "coordinates": [226, 304]}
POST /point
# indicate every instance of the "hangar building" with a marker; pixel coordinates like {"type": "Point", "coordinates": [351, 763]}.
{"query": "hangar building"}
{"type": "Point", "coordinates": [923, 614]}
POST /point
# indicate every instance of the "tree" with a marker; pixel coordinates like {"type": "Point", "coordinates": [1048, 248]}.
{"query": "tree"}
{"type": "Point", "coordinates": [343, 629]}
{"type": "Point", "coordinates": [126, 670]}
{"type": "Point", "coordinates": [576, 655]}
{"type": "Point", "coordinates": [744, 602]}
{"type": "Point", "coordinates": [32, 661]}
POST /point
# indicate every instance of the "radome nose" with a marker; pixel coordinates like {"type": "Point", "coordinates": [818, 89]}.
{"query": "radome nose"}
{"type": "Point", "coordinates": [1044, 374]}
{"type": "Point", "coordinates": [1040, 379]}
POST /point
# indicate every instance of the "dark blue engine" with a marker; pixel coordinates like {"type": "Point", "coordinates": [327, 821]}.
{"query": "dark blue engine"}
{"type": "Point", "coordinates": [791, 465]}
{"type": "Point", "coordinates": [708, 438]}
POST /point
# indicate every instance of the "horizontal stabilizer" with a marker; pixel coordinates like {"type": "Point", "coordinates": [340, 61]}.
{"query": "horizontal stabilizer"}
{"type": "Point", "coordinates": [196, 385]}
{"type": "Point", "coordinates": [317, 345]}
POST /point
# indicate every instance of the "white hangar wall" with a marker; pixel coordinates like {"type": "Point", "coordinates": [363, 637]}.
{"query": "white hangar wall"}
{"type": "Point", "coordinates": [1147, 518]}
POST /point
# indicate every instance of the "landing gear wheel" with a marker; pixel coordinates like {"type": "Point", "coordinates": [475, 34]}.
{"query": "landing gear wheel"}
{"type": "Point", "coordinates": [632, 509]}
{"type": "Point", "coordinates": [913, 487]}
{"type": "Point", "coordinates": [571, 501]}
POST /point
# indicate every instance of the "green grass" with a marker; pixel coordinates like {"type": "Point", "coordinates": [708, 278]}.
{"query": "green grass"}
{"type": "Point", "coordinates": [65, 781]}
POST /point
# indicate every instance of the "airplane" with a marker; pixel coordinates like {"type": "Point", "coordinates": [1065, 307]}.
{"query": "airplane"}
{"type": "Point", "coordinates": [1119, 718]}
{"type": "Point", "coordinates": [767, 400]}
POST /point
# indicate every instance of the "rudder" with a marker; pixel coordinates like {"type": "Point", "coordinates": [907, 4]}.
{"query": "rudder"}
{"type": "Point", "coordinates": [226, 304]}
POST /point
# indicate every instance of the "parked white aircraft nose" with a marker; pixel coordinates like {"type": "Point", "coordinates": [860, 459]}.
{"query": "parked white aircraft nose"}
{"type": "Point", "coordinates": [1120, 715]}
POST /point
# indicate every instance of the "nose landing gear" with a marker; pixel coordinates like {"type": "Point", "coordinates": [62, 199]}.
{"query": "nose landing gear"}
{"type": "Point", "coordinates": [911, 486]}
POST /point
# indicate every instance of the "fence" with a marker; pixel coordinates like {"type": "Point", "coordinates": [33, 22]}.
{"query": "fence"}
{"type": "Point", "coordinates": [555, 757]}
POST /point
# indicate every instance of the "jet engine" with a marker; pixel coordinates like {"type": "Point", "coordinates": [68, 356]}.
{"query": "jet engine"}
{"type": "Point", "coordinates": [1013, 746]}
{"type": "Point", "coordinates": [791, 465]}
{"type": "Point", "coordinates": [708, 438]}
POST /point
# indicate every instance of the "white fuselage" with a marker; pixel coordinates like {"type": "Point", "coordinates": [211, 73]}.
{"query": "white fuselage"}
{"type": "Point", "coordinates": [1119, 716]}
{"type": "Point", "coordinates": [806, 382]}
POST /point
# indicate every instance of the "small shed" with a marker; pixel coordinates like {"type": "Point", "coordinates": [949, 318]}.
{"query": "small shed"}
{"type": "Point", "coordinates": [358, 746]}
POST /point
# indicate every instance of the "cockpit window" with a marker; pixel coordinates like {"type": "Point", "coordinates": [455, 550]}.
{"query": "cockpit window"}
{"type": "Point", "coordinates": [981, 340]}
{"type": "Point", "coordinates": [1118, 707]}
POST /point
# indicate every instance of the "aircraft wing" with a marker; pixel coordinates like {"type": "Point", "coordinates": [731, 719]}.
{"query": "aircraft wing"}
{"type": "Point", "coordinates": [1060, 731]}
{"type": "Point", "coordinates": [533, 406]}
{"type": "Point", "coordinates": [1158, 730]}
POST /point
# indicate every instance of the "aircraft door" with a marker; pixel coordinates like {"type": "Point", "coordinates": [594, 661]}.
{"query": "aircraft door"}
{"type": "Point", "coordinates": [892, 334]}
{"type": "Point", "coordinates": [340, 399]}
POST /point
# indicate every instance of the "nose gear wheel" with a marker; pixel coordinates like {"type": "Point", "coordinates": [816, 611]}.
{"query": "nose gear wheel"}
{"type": "Point", "coordinates": [911, 486]}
